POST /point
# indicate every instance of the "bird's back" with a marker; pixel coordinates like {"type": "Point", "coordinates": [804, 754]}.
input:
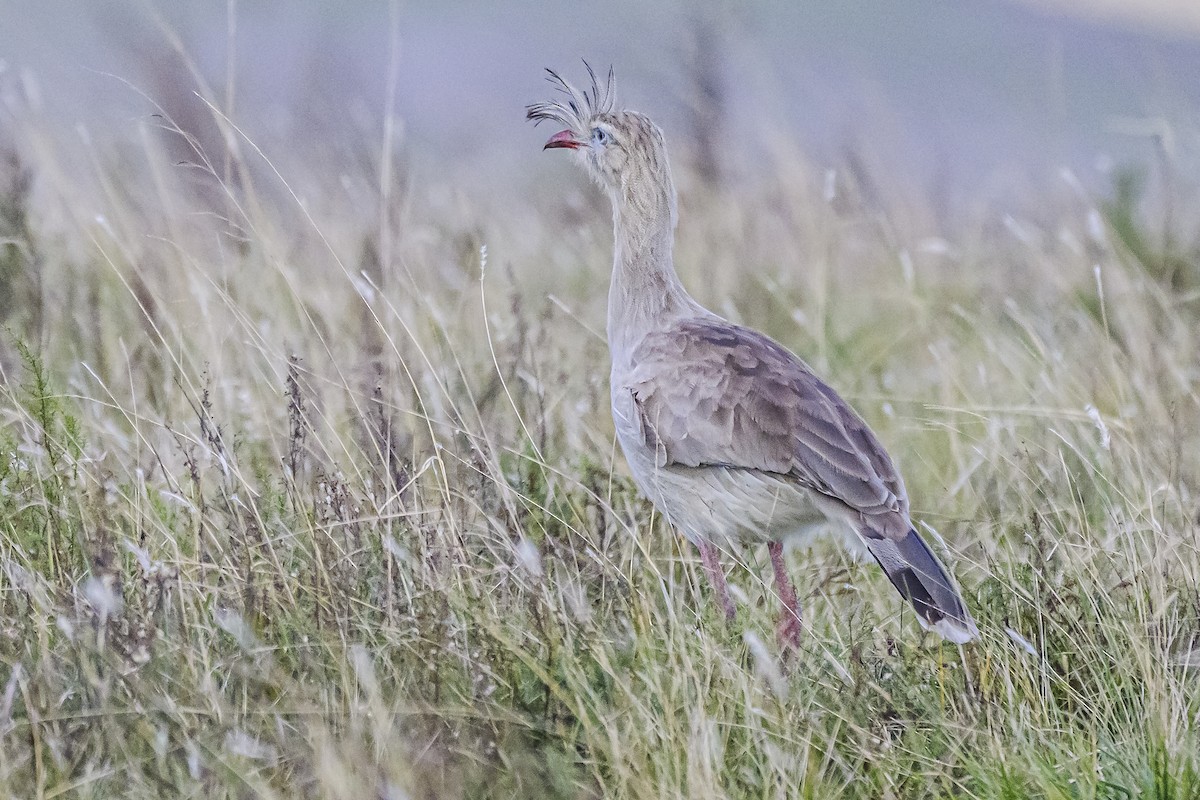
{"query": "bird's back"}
{"type": "Point", "coordinates": [705, 394]}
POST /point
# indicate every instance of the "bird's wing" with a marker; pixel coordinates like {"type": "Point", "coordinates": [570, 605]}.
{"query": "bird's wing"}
{"type": "Point", "coordinates": [710, 393]}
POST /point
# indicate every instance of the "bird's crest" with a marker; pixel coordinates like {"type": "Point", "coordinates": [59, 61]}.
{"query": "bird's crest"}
{"type": "Point", "coordinates": [579, 107]}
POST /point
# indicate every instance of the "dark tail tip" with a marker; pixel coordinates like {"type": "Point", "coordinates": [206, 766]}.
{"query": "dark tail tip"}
{"type": "Point", "coordinates": [921, 579]}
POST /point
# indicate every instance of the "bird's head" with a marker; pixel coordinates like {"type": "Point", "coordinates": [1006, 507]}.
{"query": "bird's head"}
{"type": "Point", "coordinates": [619, 148]}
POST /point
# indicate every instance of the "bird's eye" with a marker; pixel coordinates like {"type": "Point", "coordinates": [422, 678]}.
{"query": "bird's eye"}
{"type": "Point", "coordinates": [599, 136]}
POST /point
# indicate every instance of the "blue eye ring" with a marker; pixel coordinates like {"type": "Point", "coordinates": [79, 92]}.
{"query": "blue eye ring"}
{"type": "Point", "coordinates": [600, 136]}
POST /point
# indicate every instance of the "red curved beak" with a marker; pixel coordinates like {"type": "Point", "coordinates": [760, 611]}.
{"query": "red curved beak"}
{"type": "Point", "coordinates": [563, 139]}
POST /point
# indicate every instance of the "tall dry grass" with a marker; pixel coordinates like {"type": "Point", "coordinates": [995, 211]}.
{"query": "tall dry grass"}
{"type": "Point", "coordinates": [308, 487]}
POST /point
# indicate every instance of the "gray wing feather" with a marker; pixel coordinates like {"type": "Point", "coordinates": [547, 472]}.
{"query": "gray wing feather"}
{"type": "Point", "coordinates": [710, 393]}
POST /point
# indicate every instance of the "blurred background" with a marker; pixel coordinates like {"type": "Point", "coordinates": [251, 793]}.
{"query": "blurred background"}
{"type": "Point", "coordinates": [976, 100]}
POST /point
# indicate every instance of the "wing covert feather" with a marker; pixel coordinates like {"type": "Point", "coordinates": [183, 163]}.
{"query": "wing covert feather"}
{"type": "Point", "coordinates": [710, 393]}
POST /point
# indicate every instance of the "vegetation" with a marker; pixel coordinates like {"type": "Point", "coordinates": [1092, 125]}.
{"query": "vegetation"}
{"type": "Point", "coordinates": [308, 488]}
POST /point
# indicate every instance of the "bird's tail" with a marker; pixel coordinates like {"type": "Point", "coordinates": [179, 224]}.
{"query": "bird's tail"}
{"type": "Point", "coordinates": [916, 574]}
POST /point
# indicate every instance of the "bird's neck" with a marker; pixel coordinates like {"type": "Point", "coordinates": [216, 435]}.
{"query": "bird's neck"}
{"type": "Point", "coordinates": [645, 294]}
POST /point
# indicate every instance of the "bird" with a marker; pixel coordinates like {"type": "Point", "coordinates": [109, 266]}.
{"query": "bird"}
{"type": "Point", "coordinates": [732, 437]}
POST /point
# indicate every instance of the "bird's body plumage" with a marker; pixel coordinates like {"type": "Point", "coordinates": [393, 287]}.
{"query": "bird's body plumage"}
{"type": "Point", "coordinates": [709, 394]}
{"type": "Point", "coordinates": [731, 436]}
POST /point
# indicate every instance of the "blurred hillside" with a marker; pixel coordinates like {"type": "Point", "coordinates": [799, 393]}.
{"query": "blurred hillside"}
{"type": "Point", "coordinates": [953, 100]}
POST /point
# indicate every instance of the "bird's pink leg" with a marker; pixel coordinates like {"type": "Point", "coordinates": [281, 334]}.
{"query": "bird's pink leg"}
{"type": "Point", "coordinates": [716, 576]}
{"type": "Point", "coordinates": [789, 620]}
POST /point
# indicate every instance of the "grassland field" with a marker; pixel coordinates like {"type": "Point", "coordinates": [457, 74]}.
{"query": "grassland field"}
{"type": "Point", "coordinates": [308, 486]}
